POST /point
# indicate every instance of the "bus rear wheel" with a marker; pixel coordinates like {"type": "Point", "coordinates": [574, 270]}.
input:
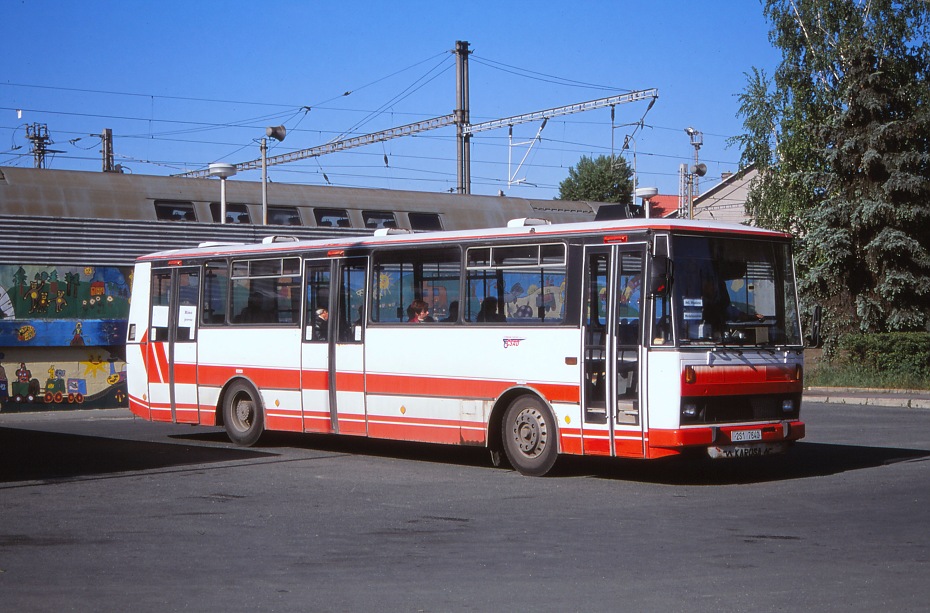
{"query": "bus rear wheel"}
{"type": "Point", "coordinates": [242, 415]}
{"type": "Point", "coordinates": [529, 436]}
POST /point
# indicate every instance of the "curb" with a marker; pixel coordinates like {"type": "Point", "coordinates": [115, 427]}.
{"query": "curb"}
{"type": "Point", "coordinates": [911, 399]}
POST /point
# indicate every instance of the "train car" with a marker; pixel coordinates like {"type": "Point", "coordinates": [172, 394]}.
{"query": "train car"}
{"type": "Point", "coordinates": [69, 240]}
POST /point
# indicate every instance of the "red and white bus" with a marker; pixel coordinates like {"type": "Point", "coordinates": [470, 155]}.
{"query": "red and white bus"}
{"type": "Point", "coordinates": [632, 338]}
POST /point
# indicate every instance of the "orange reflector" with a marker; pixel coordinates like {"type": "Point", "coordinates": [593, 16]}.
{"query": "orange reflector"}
{"type": "Point", "coordinates": [690, 375]}
{"type": "Point", "coordinates": [571, 361]}
{"type": "Point", "coordinates": [616, 238]}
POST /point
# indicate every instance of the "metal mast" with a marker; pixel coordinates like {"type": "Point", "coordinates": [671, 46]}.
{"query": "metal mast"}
{"type": "Point", "coordinates": [462, 137]}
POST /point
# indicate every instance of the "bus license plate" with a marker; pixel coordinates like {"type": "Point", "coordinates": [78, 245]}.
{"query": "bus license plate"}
{"type": "Point", "coordinates": [746, 451]}
{"type": "Point", "coordinates": [744, 436]}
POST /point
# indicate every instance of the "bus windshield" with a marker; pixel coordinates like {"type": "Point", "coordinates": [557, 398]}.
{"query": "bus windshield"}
{"type": "Point", "coordinates": [733, 291]}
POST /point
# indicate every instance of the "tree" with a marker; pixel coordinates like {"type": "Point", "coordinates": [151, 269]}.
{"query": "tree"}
{"type": "Point", "coordinates": [605, 179]}
{"type": "Point", "coordinates": [840, 137]}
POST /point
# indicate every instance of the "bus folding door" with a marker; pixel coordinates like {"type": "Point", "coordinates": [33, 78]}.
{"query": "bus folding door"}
{"type": "Point", "coordinates": [172, 350]}
{"type": "Point", "coordinates": [332, 355]}
{"type": "Point", "coordinates": [612, 396]}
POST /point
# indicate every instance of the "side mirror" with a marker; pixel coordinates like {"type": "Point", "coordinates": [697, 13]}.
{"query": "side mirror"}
{"type": "Point", "coordinates": [660, 277]}
{"type": "Point", "coordinates": [815, 339]}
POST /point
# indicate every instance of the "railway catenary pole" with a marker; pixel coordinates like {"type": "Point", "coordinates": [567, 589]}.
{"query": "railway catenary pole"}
{"type": "Point", "coordinates": [463, 139]}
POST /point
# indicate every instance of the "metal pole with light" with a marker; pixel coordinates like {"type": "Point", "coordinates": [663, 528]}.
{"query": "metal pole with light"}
{"type": "Point", "coordinates": [645, 193]}
{"type": "Point", "coordinates": [626, 145]}
{"type": "Point", "coordinates": [278, 133]}
{"type": "Point", "coordinates": [223, 171]}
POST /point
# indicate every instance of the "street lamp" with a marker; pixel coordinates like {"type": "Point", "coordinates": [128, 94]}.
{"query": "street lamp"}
{"type": "Point", "coordinates": [645, 193]}
{"type": "Point", "coordinates": [223, 171]}
{"type": "Point", "coordinates": [626, 145]}
{"type": "Point", "coordinates": [278, 133]}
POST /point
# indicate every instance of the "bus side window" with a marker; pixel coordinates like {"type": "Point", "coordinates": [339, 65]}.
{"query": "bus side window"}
{"type": "Point", "coordinates": [430, 275]}
{"type": "Point", "coordinates": [215, 292]}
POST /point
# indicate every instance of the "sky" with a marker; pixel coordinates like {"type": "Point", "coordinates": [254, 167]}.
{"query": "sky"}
{"type": "Point", "coordinates": [185, 84]}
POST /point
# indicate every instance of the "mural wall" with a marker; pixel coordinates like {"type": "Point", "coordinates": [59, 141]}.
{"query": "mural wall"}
{"type": "Point", "coordinates": [62, 333]}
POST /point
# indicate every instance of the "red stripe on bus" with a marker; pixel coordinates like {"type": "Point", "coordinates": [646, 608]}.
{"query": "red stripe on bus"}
{"type": "Point", "coordinates": [264, 378]}
{"type": "Point", "coordinates": [350, 382]}
{"type": "Point", "coordinates": [628, 448]}
{"type": "Point", "coordinates": [442, 387]}
{"type": "Point", "coordinates": [139, 407]}
{"type": "Point", "coordinates": [414, 432]}
{"type": "Point", "coordinates": [156, 363]}
{"type": "Point", "coordinates": [314, 380]}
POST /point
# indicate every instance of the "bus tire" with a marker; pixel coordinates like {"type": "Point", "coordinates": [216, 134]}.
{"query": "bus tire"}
{"type": "Point", "coordinates": [529, 436]}
{"type": "Point", "coordinates": [242, 414]}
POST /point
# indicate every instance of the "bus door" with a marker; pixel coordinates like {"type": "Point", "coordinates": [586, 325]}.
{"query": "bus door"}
{"type": "Point", "coordinates": [612, 423]}
{"type": "Point", "coordinates": [172, 353]}
{"type": "Point", "coordinates": [333, 373]}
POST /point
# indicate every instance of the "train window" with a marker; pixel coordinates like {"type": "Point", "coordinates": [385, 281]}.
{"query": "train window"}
{"type": "Point", "coordinates": [379, 219]}
{"type": "Point", "coordinates": [235, 213]}
{"type": "Point", "coordinates": [284, 216]}
{"type": "Point", "coordinates": [424, 221]}
{"type": "Point", "coordinates": [332, 218]}
{"type": "Point", "coordinates": [168, 210]}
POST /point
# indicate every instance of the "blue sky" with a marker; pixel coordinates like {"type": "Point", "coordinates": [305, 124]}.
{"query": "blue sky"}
{"type": "Point", "coordinates": [183, 84]}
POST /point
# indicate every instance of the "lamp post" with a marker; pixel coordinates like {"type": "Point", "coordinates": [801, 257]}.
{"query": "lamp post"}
{"type": "Point", "coordinates": [645, 193]}
{"type": "Point", "coordinates": [223, 171]}
{"type": "Point", "coordinates": [278, 133]}
{"type": "Point", "coordinates": [626, 145]}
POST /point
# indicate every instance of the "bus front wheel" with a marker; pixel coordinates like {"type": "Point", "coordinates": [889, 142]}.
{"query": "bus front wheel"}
{"type": "Point", "coordinates": [529, 436]}
{"type": "Point", "coordinates": [242, 415]}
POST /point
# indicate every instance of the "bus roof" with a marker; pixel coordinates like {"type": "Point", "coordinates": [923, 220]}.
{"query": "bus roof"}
{"type": "Point", "coordinates": [283, 244]}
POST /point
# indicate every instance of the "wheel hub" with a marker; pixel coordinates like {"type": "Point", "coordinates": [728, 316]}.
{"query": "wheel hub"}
{"type": "Point", "coordinates": [244, 411]}
{"type": "Point", "coordinates": [530, 432]}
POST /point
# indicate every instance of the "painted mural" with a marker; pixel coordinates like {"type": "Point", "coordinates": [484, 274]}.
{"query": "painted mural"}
{"type": "Point", "coordinates": [62, 333]}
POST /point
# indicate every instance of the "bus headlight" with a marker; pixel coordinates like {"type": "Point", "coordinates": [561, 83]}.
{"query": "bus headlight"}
{"type": "Point", "coordinates": [689, 410]}
{"type": "Point", "coordinates": [787, 405]}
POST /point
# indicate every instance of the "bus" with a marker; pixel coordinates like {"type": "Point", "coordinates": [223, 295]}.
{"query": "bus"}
{"type": "Point", "coordinates": [633, 338]}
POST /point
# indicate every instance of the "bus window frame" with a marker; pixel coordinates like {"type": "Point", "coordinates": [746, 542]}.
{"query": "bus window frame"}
{"type": "Point", "coordinates": [416, 258]}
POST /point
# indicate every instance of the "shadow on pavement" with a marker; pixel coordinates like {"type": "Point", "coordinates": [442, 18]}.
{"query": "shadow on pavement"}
{"type": "Point", "coordinates": [31, 455]}
{"type": "Point", "coordinates": [801, 461]}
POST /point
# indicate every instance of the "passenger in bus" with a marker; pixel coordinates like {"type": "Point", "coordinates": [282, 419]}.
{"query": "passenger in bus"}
{"type": "Point", "coordinates": [320, 325]}
{"type": "Point", "coordinates": [453, 312]}
{"type": "Point", "coordinates": [253, 311]}
{"type": "Point", "coordinates": [715, 300]}
{"type": "Point", "coordinates": [489, 312]}
{"type": "Point", "coordinates": [418, 312]}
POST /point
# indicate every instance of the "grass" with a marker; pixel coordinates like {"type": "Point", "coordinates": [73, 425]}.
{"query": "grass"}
{"type": "Point", "coordinates": [826, 374]}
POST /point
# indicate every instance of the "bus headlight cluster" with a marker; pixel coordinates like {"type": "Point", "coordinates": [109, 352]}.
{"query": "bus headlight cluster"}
{"type": "Point", "coordinates": [787, 405]}
{"type": "Point", "coordinates": [689, 410]}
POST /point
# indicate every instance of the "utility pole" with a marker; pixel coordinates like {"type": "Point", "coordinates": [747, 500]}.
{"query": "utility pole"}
{"type": "Point", "coordinates": [38, 134]}
{"type": "Point", "coordinates": [463, 139]}
{"type": "Point", "coordinates": [106, 139]}
{"type": "Point", "coordinates": [688, 179]}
